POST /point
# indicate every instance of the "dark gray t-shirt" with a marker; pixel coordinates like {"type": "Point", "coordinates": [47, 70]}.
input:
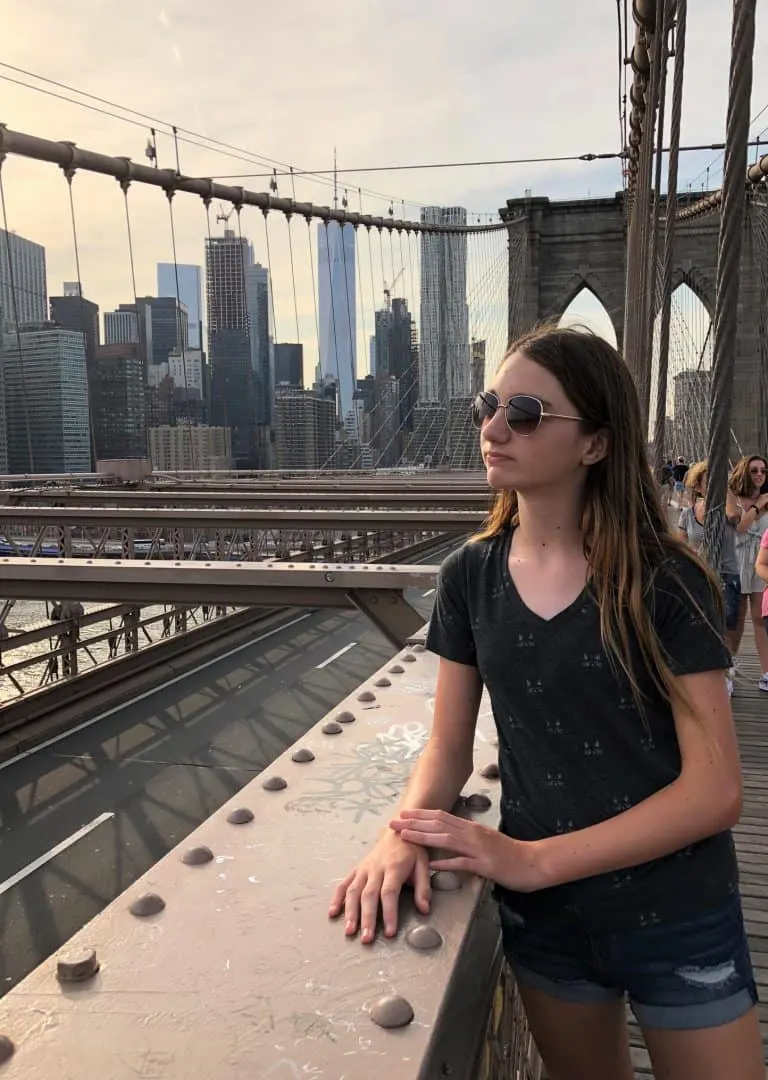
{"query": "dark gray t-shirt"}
{"type": "Point", "coordinates": [574, 749]}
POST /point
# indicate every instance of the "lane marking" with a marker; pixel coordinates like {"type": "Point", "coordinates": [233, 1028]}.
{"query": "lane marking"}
{"type": "Point", "coordinates": [30, 868]}
{"type": "Point", "coordinates": [336, 655]}
{"type": "Point", "coordinates": [155, 690]}
{"type": "Point", "coordinates": [428, 592]}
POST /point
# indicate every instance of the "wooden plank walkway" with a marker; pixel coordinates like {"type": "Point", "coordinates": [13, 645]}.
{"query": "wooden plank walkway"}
{"type": "Point", "coordinates": [750, 709]}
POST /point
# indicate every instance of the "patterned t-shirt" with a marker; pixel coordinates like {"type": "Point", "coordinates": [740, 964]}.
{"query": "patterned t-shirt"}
{"type": "Point", "coordinates": [574, 749]}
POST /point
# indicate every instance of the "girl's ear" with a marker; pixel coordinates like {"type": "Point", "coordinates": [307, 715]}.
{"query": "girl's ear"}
{"type": "Point", "coordinates": [596, 449]}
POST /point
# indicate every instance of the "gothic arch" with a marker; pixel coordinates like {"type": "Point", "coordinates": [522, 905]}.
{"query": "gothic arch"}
{"type": "Point", "coordinates": [592, 283]}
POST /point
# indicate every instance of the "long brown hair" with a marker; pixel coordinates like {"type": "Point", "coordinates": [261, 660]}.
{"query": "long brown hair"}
{"type": "Point", "coordinates": [625, 530]}
{"type": "Point", "coordinates": [740, 482]}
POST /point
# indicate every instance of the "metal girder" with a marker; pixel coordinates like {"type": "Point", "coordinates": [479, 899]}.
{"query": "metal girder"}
{"type": "Point", "coordinates": [433, 499]}
{"type": "Point", "coordinates": [241, 584]}
{"type": "Point", "coordinates": [138, 517]}
{"type": "Point", "coordinates": [390, 612]}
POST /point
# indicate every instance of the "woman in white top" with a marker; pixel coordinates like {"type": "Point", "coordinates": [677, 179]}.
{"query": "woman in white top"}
{"type": "Point", "coordinates": [747, 478]}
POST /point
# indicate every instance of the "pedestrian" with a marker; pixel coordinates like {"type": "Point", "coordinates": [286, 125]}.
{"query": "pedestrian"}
{"type": "Point", "coordinates": [597, 636]}
{"type": "Point", "coordinates": [746, 481]}
{"type": "Point", "coordinates": [679, 472]}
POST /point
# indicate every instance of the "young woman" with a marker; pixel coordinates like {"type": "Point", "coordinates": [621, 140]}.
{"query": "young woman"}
{"type": "Point", "coordinates": [596, 635]}
{"type": "Point", "coordinates": [691, 530]}
{"type": "Point", "coordinates": [747, 479]}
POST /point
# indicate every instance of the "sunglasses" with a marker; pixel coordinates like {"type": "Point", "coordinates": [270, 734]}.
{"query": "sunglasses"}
{"type": "Point", "coordinates": [522, 412]}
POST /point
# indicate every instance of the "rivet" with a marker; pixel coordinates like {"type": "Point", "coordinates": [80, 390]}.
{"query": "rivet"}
{"type": "Point", "coordinates": [275, 783]}
{"type": "Point", "coordinates": [396, 669]}
{"type": "Point", "coordinates": [490, 771]}
{"type": "Point", "coordinates": [392, 1011]}
{"type": "Point", "coordinates": [345, 717]}
{"type": "Point", "coordinates": [409, 658]}
{"type": "Point", "coordinates": [478, 802]}
{"type": "Point", "coordinates": [197, 856]}
{"type": "Point", "coordinates": [383, 681]}
{"type": "Point", "coordinates": [241, 816]}
{"type": "Point", "coordinates": [301, 755]}
{"type": "Point", "coordinates": [460, 804]}
{"type": "Point", "coordinates": [77, 965]}
{"type": "Point", "coordinates": [6, 1049]}
{"type": "Point", "coordinates": [367, 695]}
{"type": "Point", "coordinates": [331, 728]}
{"type": "Point", "coordinates": [418, 647]}
{"type": "Point", "coordinates": [446, 881]}
{"type": "Point", "coordinates": [424, 937]}
{"type": "Point", "coordinates": [147, 904]}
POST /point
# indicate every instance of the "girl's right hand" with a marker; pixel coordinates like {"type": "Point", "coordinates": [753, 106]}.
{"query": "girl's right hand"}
{"type": "Point", "coordinates": [377, 882]}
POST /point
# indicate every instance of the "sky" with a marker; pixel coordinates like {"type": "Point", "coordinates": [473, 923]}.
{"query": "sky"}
{"type": "Point", "coordinates": [382, 83]}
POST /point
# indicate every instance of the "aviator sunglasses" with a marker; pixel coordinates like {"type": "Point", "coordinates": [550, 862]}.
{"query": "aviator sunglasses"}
{"type": "Point", "coordinates": [522, 412]}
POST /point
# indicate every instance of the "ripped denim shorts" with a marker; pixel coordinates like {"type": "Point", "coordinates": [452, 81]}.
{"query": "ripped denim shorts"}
{"type": "Point", "coordinates": [677, 976]}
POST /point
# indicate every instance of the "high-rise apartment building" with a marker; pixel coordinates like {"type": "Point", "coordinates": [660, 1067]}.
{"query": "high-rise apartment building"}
{"type": "Point", "coordinates": [337, 308]}
{"type": "Point", "coordinates": [233, 384]}
{"type": "Point", "coordinates": [444, 350]}
{"type": "Point", "coordinates": [305, 423]}
{"type": "Point", "coordinates": [121, 327]}
{"type": "Point", "coordinates": [116, 384]}
{"type": "Point", "coordinates": [23, 282]}
{"type": "Point", "coordinates": [159, 324]}
{"type": "Point", "coordinates": [257, 287]}
{"type": "Point", "coordinates": [189, 446]}
{"type": "Point", "coordinates": [289, 364]}
{"type": "Point", "coordinates": [46, 399]}
{"type": "Point", "coordinates": [189, 293]}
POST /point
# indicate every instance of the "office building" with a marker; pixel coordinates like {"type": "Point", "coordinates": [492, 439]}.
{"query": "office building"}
{"type": "Point", "coordinates": [257, 287]}
{"type": "Point", "coordinates": [23, 282]}
{"type": "Point", "coordinates": [476, 368]}
{"type": "Point", "coordinates": [444, 325]}
{"type": "Point", "coordinates": [189, 294]}
{"type": "Point", "coordinates": [337, 308]}
{"type": "Point", "coordinates": [170, 325]}
{"type": "Point", "coordinates": [73, 312]}
{"type": "Point", "coordinates": [121, 327]}
{"type": "Point", "coordinates": [289, 364]}
{"type": "Point", "coordinates": [305, 427]}
{"type": "Point", "coordinates": [46, 400]}
{"type": "Point", "coordinates": [190, 446]}
{"type": "Point", "coordinates": [233, 385]}
{"type": "Point", "coordinates": [116, 383]}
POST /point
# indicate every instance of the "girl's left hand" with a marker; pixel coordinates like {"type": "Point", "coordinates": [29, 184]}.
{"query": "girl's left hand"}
{"type": "Point", "coordinates": [513, 864]}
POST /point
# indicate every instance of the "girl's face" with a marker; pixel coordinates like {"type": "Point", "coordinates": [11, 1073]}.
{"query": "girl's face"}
{"type": "Point", "coordinates": [554, 452]}
{"type": "Point", "coordinates": [757, 472]}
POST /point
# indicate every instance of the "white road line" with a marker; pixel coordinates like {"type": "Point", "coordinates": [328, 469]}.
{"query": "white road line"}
{"type": "Point", "coordinates": [428, 592]}
{"type": "Point", "coordinates": [155, 690]}
{"type": "Point", "coordinates": [336, 656]}
{"type": "Point", "coordinates": [54, 851]}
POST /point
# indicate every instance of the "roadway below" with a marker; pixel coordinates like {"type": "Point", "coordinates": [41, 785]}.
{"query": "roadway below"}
{"type": "Point", "coordinates": [85, 814]}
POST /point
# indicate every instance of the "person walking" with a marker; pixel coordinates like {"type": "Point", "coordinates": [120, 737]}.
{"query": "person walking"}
{"type": "Point", "coordinates": [746, 481]}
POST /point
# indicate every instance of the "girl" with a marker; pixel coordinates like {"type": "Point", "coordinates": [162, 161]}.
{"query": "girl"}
{"type": "Point", "coordinates": [691, 529]}
{"type": "Point", "coordinates": [595, 633]}
{"type": "Point", "coordinates": [747, 479]}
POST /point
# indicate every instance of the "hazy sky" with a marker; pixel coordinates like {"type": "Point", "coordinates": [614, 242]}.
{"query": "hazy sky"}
{"type": "Point", "coordinates": [385, 83]}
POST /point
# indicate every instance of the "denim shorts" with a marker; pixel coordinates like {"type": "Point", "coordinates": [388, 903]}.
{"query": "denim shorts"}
{"type": "Point", "coordinates": [731, 585]}
{"type": "Point", "coordinates": [677, 976]}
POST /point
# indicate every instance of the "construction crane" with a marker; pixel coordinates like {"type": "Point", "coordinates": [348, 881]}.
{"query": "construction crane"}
{"type": "Point", "coordinates": [388, 291]}
{"type": "Point", "coordinates": [224, 215]}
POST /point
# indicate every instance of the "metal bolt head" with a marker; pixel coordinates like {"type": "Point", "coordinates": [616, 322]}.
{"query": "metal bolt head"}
{"type": "Point", "coordinates": [418, 647]}
{"type": "Point", "coordinates": [6, 1049]}
{"type": "Point", "coordinates": [490, 771]}
{"type": "Point", "coordinates": [392, 1011]}
{"type": "Point", "coordinates": [241, 816]}
{"type": "Point", "coordinates": [446, 881]}
{"type": "Point", "coordinates": [424, 937]}
{"type": "Point", "coordinates": [396, 669]}
{"type": "Point", "coordinates": [367, 695]}
{"type": "Point", "coordinates": [301, 755]}
{"type": "Point", "coordinates": [408, 658]}
{"type": "Point", "coordinates": [478, 802]}
{"type": "Point", "coordinates": [345, 717]}
{"type": "Point", "coordinates": [275, 783]}
{"type": "Point", "coordinates": [147, 904]}
{"type": "Point", "coordinates": [331, 728]}
{"type": "Point", "coordinates": [383, 681]}
{"type": "Point", "coordinates": [197, 856]}
{"type": "Point", "coordinates": [77, 965]}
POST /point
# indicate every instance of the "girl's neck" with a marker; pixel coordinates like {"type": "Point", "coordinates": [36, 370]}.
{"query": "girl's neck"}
{"type": "Point", "coordinates": [549, 522]}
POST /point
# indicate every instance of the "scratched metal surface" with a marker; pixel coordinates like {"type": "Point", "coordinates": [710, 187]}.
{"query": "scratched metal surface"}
{"type": "Point", "coordinates": [242, 974]}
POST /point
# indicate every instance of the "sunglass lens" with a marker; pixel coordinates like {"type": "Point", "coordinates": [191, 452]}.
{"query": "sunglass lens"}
{"type": "Point", "coordinates": [523, 414]}
{"type": "Point", "coordinates": [483, 408]}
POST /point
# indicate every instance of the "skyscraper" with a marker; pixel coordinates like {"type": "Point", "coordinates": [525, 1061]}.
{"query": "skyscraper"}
{"type": "Point", "coordinates": [121, 327]}
{"type": "Point", "coordinates": [444, 352]}
{"type": "Point", "coordinates": [73, 312]}
{"type": "Point", "coordinates": [23, 283]}
{"type": "Point", "coordinates": [190, 294]}
{"type": "Point", "coordinates": [337, 308]}
{"type": "Point", "coordinates": [46, 399]}
{"type": "Point", "coordinates": [289, 364]}
{"type": "Point", "coordinates": [116, 383]}
{"type": "Point", "coordinates": [257, 287]}
{"type": "Point", "coordinates": [233, 389]}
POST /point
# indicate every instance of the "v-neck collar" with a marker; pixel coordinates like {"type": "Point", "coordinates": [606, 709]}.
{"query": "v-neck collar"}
{"type": "Point", "coordinates": [576, 607]}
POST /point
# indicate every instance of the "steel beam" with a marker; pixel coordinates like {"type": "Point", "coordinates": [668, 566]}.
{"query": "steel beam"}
{"type": "Point", "coordinates": [138, 517]}
{"type": "Point", "coordinates": [289, 500]}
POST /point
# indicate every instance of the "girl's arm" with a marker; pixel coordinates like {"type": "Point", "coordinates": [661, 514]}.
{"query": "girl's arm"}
{"type": "Point", "coordinates": [761, 564]}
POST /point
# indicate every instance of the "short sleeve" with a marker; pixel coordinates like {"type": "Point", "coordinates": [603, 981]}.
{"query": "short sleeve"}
{"type": "Point", "coordinates": [688, 618]}
{"type": "Point", "coordinates": [764, 540]}
{"type": "Point", "coordinates": [450, 632]}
